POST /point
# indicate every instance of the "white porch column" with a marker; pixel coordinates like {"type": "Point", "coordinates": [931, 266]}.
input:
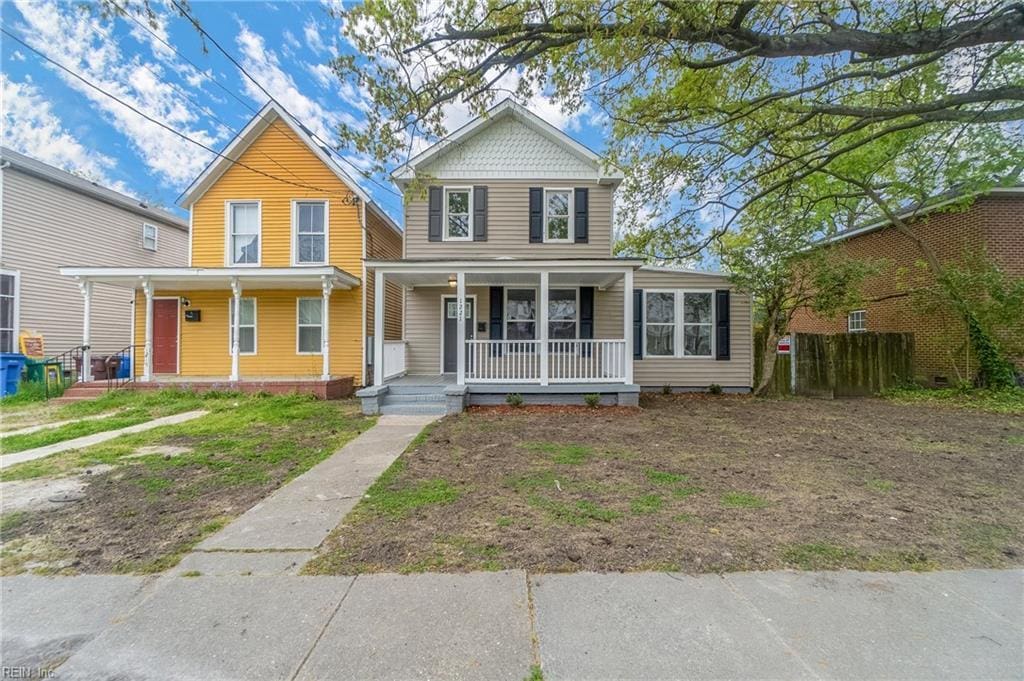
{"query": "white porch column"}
{"type": "Point", "coordinates": [236, 323]}
{"type": "Point", "coordinates": [378, 327]}
{"type": "Point", "coordinates": [627, 323]}
{"type": "Point", "coordinates": [147, 352]}
{"type": "Point", "coordinates": [542, 304]}
{"type": "Point", "coordinates": [460, 323]}
{"type": "Point", "coordinates": [325, 346]}
{"type": "Point", "coordinates": [86, 288]}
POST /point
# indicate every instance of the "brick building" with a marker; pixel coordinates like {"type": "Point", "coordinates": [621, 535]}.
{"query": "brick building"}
{"type": "Point", "coordinates": [993, 223]}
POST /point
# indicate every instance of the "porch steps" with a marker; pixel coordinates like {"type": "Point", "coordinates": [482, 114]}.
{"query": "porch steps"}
{"type": "Point", "coordinates": [83, 391]}
{"type": "Point", "coordinates": [414, 400]}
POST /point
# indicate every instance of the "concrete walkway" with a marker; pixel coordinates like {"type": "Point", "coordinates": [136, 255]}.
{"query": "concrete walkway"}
{"type": "Point", "coordinates": [96, 438]}
{"type": "Point", "coordinates": [55, 424]}
{"type": "Point", "coordinates": [778, 625]}
{"type": "Point", "coordinates": [279, 534]}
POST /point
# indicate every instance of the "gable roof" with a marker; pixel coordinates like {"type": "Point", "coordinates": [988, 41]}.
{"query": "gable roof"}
{"type": "Point", "coordinates": [505, 110]}
{"type": "Point", "coordinates": [263, 119]}
{"type": "Point", "coordinates": [48, 173]}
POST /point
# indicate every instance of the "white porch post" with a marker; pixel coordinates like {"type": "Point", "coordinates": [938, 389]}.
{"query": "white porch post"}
{"type": "Point", "coordinates": [325, 348]}
{"type": "Point", "coordinates": [86, 288]}
{"type": "Point", "coordinates": [236, 323]}
{"type": "Point", "coordinates": [378, 327]}
{"type": "Point", "coordinates": [147, 352]}
{"type": "Point", "coordinates": [460, 323]}
{"type": "Point", "coordinates": [543, 320]}
{"type": "Point", "coordinates": [627, 323]}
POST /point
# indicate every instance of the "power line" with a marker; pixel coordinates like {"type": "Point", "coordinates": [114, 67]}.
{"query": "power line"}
{"type": "Point", "coordinates": [150, 118]}
{"type": "Point", "coordinates": [184, 12]}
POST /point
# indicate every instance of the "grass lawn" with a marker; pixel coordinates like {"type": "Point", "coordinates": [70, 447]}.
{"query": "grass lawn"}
{"type": "Point", "coordinates": [151, 496]}
{"type": "Point", "coordinates": [698, 484]}
{"type": "Point", "coordinates": [123, 407]}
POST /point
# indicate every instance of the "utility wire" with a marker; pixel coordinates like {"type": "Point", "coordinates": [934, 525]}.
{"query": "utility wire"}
{"type": "Point", "coordinates": [195, 23]}
{"type": "Point", "coordinates": [150, 118]}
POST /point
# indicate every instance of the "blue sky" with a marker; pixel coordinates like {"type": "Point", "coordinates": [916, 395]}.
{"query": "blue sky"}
{"type": "Point", "coordinates": [287, 47]}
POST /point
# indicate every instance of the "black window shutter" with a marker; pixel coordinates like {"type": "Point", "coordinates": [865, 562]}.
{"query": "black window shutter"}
{"type": "Point", "coordinates": [638, 323]}
{"type": "Point", "coordinates": [435, 198]}
{"type": "Point", "coordinates": [582, 221]}
{"type": "Point", "coordinates": [586, 312]}
{"type": "Point", "coordinates": [496, 328]}
{"type": "Point", "coordinates": [722, 323]}
{"type": "Point", "coordinates": [479, 213]}
{"type": "Point", "coordinates": [536, 215]}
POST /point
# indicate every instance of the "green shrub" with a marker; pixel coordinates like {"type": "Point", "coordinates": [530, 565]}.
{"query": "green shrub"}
{"type": "Point", "coordinates": [666, 389]}
{"type": "Point", "coordinates": [592, 399]}
{"type": "Point", "coordinates": [715, 389]}
{"type": "Point", "coordinates": [514, 399]}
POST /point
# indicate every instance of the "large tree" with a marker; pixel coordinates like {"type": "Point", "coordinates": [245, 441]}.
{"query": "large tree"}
{"type": "Point", "coordinates": [721, 112]}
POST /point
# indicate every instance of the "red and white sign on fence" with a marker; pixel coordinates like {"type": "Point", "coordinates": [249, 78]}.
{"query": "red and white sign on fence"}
{"type": "Point", "coordinates": [784, 344]}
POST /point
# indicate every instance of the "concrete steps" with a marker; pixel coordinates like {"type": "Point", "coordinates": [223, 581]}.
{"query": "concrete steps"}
{"type": "Point", "coordinates": [414, 400]}
{"type": "Point", "coordinates": [83, 391]}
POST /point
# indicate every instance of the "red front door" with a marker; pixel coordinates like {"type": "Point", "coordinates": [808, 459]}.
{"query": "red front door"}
{"type": "Point", "coordinates": [165, 336]}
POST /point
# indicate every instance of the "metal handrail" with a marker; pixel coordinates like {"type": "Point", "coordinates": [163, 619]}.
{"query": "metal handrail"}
{"type": "Point", "coordinates": [116, 381]}
{"type": "Point", "coordinates": [69, 367]}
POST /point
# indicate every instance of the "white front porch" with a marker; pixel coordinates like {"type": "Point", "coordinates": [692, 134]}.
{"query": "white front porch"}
{"type": "Point", "coordinates": [544, 338]}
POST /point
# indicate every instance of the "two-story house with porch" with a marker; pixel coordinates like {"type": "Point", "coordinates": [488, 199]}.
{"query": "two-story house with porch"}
{"type": "Point", "coordinates": [510, 285]}
{"type": "Point", "coordinates": [274, 294]}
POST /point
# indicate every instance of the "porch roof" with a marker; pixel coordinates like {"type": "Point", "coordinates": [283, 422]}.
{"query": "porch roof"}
{"type": "Point", "coordinates": [599, 272]}
{"type": "Point", "coordinates": [205, 278]}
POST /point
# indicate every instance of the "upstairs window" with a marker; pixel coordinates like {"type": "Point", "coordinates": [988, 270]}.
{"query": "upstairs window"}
{"type": "Point", "coordinates": [310, 232]}
{"type": "Point", "coordinates": [149, 234]}
{"type": "Point", "coordinates": [244, 233]}
{"type": "Point", "coordinates": [857, 321]}
{"type": "Point", "coordinates": [557, 205]}
{"type": "Point", "coordinates": [457, 209]}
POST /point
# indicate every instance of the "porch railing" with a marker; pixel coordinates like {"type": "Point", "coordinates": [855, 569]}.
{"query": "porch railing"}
{"type": "Point", "coordinates": [394, 358]}
{"type": "Point", "coordinates": [568, 361]}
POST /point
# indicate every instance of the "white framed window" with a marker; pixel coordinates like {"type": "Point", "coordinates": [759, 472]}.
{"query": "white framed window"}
{"type": "Point", "coordinates": [246, 326]}
{"type": "Point", "coordinates": [697, 327]}
{"type": "Point", "coordinates": [660, 323]}
{"type": "Point", "coordinates": [557, 215]}
{"type": "Point", "coordinates": [9, 300]}
{"type": "Point", "coordinates": [520, 313]}
{"type": "Point", "coordinates": [678, 323]}
{"type": "Point", "coordinates": [149, 236]}
{"type": "Point", "coordinates": [243, 232]}
{"type": "Point", "coordinates": [309, 326]}
{"type": "Point", "coordinates": [458, 211]}
{"type": "Point", "coordinates": [857, 321]}
{"type": "Point", "coordinates": [563, 314]}
{"type": "Point", "coordinates": [309, 232]}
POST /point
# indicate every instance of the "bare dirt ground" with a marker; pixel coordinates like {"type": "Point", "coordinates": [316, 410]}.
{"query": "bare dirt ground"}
{"type": "Point", "coordinates": [700, 484]}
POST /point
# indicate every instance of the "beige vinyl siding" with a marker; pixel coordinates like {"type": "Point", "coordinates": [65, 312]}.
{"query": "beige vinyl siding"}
{"type": "Point", "coordinates": [383, 243]}
{"type": "Point", "coordinates": [508, 224]}
{"type": "Point", "coordinates": [423, 325]}
{"type": "Point", "coordinates": [46, 226]}
{"type": "Point", "coordinates": [736, 372]}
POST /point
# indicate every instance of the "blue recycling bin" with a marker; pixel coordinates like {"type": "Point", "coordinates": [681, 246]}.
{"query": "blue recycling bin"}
{"type": "Point", "coordinates": [124, 370]}
{"type": "Point", "coordinates": [11, 364]}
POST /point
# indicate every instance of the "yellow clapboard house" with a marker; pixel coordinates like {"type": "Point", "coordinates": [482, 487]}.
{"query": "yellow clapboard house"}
{"type": "Point", "coordinates": [275, 294]}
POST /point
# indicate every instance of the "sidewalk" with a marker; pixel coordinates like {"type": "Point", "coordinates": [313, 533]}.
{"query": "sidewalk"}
{"type": "Point", "coordinates": [790, 625]}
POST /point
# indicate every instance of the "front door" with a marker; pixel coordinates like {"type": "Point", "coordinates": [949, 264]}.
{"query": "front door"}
{"type": "Point", "coordinates": [451, 331]}
{"type": "Point", "coordinates": [165, 336]}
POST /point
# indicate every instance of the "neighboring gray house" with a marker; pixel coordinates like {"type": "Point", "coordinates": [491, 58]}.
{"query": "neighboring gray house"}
{"type": "Point", "coordinates": [50, 218]}
{"type": "Point", "coordinates": [508, 230]}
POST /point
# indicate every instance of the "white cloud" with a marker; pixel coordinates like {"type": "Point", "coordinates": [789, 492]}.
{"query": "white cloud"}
{"type": "Point", "coordinates": [83, 43]}
{"type": "Point", "coordinates": [312, 34]}
{"type": "Point", "coordinates": [31, 127]}
{"type": "Point", "coordinates": [17, 55]}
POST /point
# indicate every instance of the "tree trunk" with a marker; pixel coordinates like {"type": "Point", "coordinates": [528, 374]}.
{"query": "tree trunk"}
{"type": "Point", "coordinates": [766, 386]}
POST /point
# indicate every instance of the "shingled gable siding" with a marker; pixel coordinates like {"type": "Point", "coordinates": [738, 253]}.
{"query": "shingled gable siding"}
{"type": "Point", "coordinates": [508, 230]}
{"type": "Point", "coordinates": [995, 223]}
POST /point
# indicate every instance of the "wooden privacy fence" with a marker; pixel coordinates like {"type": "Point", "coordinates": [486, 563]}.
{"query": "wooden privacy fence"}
{"type": "Point", "coordinates": [846, 364]}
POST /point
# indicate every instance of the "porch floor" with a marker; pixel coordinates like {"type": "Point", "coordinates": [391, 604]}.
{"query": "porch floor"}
{"type": "Point", "coordinates": [422, 380]}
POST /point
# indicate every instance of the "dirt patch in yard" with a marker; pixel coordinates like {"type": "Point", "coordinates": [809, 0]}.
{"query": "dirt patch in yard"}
{"type": "Point", "coordinates": [698, 484]}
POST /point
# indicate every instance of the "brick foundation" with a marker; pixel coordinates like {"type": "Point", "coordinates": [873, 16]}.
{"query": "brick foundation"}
{"type": "Point", "coordinates": [333, 389]}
